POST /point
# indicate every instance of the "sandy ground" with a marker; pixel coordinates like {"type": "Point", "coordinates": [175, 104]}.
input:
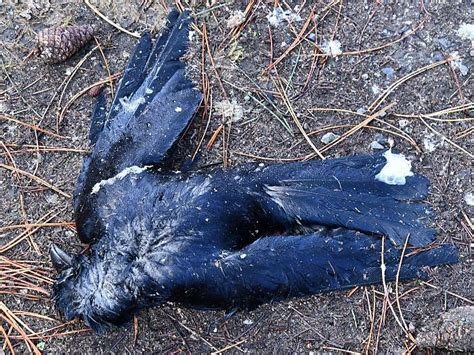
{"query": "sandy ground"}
{"type": "Point", "coordinates": [380, 43]}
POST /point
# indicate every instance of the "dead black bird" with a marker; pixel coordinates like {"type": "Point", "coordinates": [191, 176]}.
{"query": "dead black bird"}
{"type": "Point", "coordinates": [227, 239]}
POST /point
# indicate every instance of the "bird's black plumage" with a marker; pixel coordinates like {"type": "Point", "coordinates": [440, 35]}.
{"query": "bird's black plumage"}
{"type": "Point", "coordinates": [227, 239]}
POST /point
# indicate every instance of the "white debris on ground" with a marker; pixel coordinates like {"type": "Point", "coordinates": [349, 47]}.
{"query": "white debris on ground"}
{"type": "Point", "coordinates": [4, 107]}
{"type": "Point", "coordinates": [376, 89]}
{"type": "Point", "coordinates": [332, 48]}
{"type": "Point", "coordinates": [236, 19]}
{"type": "Point", "coordinates": [469, 198]}
{"type": "Point", "coordinates": [395, 170]}
{"type": "Point", "coordinates": [229, 111]}
{"type": "Point", "coordinates": [466, 31]}
{"type": "Point", "coordinates": [278, 15]}
{"type": "Point", "coordinates": [457, 63]}
{"type": "Point", "coordinates": [127, 171]}
{"type": "Point", "coordinates": [432, 141]}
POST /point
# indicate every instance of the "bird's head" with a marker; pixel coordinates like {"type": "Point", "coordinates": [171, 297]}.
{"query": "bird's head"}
{"type": "Point", "coordinates": [91, 289]}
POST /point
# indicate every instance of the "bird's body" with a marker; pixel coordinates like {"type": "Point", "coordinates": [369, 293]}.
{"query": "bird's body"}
{"type": "Point", "coordinates": [217, 238]}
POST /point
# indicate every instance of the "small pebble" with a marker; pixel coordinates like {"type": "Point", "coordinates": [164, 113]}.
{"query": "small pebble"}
{"type": "Point", "coordinates": [443, 42]}
{"type": "Point", "coordinates": [389, 72]}
{"type": "Point", "coordinates": [403, 123]}
{"type": "Point", "coordinates": [41, 345]}
{"type": "Point", "coordinates": [469, 198]}
{"type": "Point", "coordinates": [379, 137]}
{"type": "Point", "coordinates": [376, 145]}
{"type": "Point", "coordinates": [376, 89]}
{"type": "Point", "coordinates": [329, 137]}
{"type": "Point", "coordinates": [406, 68]}
{"type": "Point", "coordinates": [437, 56]}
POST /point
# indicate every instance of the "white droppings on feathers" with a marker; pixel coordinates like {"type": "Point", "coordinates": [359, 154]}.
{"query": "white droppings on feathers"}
{"type": "Point", "coordinates": [131, 105]}
{"type": "Point", "coordinates": [395, 170]}
{"type": "Point", "coordinates": [127, 171]}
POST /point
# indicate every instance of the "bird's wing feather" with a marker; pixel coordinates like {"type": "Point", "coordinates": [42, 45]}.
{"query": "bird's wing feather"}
{"type": "Point", "coordinates": [345, 193]}
{"type": "Point", "coordinates": [153, 105]}
{"type": "Point", "coordinates": [276, 268]}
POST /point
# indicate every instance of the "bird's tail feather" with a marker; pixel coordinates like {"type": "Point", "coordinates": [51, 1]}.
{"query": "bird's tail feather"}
{"type": "Point", "coordinates": [327, 260]}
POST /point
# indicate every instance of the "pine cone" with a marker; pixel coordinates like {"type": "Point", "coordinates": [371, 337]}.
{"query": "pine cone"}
{"type": "Point", "coordinates": [57, 44]}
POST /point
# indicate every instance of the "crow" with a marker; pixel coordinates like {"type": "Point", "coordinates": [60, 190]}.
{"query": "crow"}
{"type": "Point", "coordinates": [218, 238]}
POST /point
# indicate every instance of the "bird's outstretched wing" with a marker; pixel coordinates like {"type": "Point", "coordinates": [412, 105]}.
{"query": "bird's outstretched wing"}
{"type": "Point", "coordinates": [154, 104]}
{"type": "Point", "coordinates": [345, 192]}
{"type": "Point", "coordinates": [280, 267]}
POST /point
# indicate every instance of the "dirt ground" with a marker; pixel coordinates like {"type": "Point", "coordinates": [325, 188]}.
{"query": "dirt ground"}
{"type": "Point", "coordinates": [382, 42]}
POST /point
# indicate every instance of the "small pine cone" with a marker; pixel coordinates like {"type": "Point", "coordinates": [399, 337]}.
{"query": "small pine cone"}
{"type": "Point", "coordinates": [95, 90]}
{"type": "Point", "coordinates": [57, 44]}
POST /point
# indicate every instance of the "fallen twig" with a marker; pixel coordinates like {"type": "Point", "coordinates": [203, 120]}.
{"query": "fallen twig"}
{"type": "Point", "coordinates": [35, 178]}
{"type": "Point", "coordinates": [110, 22]}
{"type": "Point", "coordinates": [446, 138]}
